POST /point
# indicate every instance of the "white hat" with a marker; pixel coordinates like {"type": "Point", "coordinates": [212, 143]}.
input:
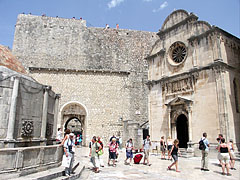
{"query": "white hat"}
{"type": "Point", "coordinates": [71, 134]}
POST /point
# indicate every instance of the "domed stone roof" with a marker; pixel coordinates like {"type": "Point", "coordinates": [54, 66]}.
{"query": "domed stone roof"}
{"type": "Point", "coordinates": [8, 60]}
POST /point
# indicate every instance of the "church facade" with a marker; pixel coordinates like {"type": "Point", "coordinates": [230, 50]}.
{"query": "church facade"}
{"type": "Point", "coordinates": [194, 81]}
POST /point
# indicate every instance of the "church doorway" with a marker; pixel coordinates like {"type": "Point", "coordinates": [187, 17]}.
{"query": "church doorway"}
{"type": "Point", "coordinates": [182, 130]}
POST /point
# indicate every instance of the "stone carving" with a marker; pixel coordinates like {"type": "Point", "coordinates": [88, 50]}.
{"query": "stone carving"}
{"type": "Point", "coordinates": [182, 85]}
{"type": "Point", "coordinates": [49, 130]}
{"type": "Point", "coordinates": [27, 128]}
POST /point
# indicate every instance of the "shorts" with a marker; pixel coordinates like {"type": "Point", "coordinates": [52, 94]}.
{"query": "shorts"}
{"type": "Point", "coordinates": [112, 155]}
{"type": "Point", "coordinates": [146, 153]}
{"type": "Point", "coordinates": [224, 157]}
{"type": "Point", "coordinates": [163, 149]}
{"type": "Point", "coordinates": [233, 157]}
{"type": "Point", "coordinates": [169, 147]}
{"type": "Point", "coordinates": [219, 156]}
{"type": "Point", "coordinates": [175, 157]}
{"type": "Point", "coordinates": [129, 154]}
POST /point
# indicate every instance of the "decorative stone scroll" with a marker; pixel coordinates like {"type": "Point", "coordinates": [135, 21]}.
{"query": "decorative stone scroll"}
{"type": "Point", "coordinates": [27, 128]}
{"type": "Point", "coordinates": [49, 130]}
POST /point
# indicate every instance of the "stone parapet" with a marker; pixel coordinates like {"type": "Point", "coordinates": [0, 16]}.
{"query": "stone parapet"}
{"type": "Point", "coordinates": [29, 158]}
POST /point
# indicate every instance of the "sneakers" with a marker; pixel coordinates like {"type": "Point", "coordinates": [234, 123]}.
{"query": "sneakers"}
{"type": "Point", "coordinates": [202, 169]}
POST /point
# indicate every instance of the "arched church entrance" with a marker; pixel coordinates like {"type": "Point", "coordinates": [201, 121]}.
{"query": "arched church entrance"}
{"type": "Point", "coordinates": [73, 117]}
{"type": "Point", "coordinates": [182, 130]}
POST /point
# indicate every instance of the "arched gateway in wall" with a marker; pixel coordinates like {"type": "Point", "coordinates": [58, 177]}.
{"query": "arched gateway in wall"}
{"type": "Point", "coordinates": [73, 117]}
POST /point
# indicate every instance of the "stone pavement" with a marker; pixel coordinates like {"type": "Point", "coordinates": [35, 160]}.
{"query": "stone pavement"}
{"type": "Point", "coordinates": [189, 167]}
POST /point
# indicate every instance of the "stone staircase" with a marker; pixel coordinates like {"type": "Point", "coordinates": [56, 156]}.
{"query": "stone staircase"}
{"type": "Point", "coordinates": [237, 154]}
{"type": "Point", "coordinates": [54, 173]}
{"type": "Point", "coordinates": [185, 153]}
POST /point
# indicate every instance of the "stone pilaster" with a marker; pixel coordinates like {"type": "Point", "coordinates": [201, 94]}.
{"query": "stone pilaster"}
{"type": "Point", "coordinates": [222, 101]}
{"type": "Point", "coordinates": [12, 114]}
{"type": "Point", "coordinates": [169, 121]}
{"type": "Point", "coordinates": [189, 109]}
{"type": "Point", "coordinates": [44, 112]}
{"type": "Point", "coordinates": [57, 97]}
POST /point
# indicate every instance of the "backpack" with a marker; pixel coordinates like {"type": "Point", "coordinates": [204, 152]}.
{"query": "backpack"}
{"type": "Point", "coordinates": [202, 145]}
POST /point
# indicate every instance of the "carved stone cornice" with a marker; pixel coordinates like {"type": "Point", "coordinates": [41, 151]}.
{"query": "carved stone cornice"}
{"type": "Point", "coordinates": [217, 64]}
{"type": "Point", "coordinates": [192, 17]}
{"type": "Point", "coordinates": [161, 52]}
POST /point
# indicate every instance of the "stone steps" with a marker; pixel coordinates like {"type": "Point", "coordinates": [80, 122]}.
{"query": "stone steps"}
{"type": "Point", "coordinates": [54, 173]}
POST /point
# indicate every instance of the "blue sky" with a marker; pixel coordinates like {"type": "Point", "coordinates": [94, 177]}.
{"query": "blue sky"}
{"type": "Point", "coordinates": [146, 15]}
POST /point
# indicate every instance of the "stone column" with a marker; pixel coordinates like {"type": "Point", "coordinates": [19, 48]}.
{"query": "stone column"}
{"type": "Point", "coordinates": [189, 122]}
{"type": "Point", "coordinates": [12, 113]}
{"type": "Point", "coordinates": [57, 97]}
{"type": "Point", "coordinates": [169, 121]}
{"type": "Point", "coordinates": [44, 113]}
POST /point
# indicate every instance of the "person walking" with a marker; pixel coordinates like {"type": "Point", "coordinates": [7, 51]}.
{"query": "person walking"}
{"type": "Point", "coordinates": [205, 151]}
{"type": "Point", "coordinates": [174, 152]}
{"type": "Point", "coordinates": [66, 136]}
{"type": "Point", "coordinates": [68, 157]}
{"type": "Point", "coordinates": [169, 147]}
{"type": "Point", "coordinates": [162, 147]}
{"type": "Point", "coordinates": [95, 148]}
{"type": "Point", "coordinates": [59, 136]}
{"type": "Point", "coordinates": [146, 146]}
{"type": "Point", "coordinates": [225, 155]}
{"type": "Point", "coordinates": [129, 153]}
{"type": "Point", "coordinates": [232, 159]}
{"type": "Point", "coordinates": [100, 153]}
{"type": "Point", "coordinates": [220, 136]}
{"type": "Point", "coordinates": [112, 151]}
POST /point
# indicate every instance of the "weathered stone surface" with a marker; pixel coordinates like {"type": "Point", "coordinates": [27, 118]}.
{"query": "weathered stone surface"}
{"type": "Point", "coordinates": [27, 115]}
{"type": "Point", "coordinates": [101, 70]}
{"type": "Point", "coordinates": [200, 86]}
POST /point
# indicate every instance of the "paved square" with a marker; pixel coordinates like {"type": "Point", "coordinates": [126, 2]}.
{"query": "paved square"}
{"type": "Point", "coordinates": [189, 167]}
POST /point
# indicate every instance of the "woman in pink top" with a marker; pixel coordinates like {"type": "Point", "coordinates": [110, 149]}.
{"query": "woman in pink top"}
{"type": "Point", "coordinates": [113, 146]}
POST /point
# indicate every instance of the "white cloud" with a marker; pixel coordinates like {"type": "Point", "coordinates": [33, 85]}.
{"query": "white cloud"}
{"type": "Point", "coordinates": [114, 3]}
{"type": "Point", "coordinates": [162, 6]}
{"type": "Point", "coordinates": [147, 0]}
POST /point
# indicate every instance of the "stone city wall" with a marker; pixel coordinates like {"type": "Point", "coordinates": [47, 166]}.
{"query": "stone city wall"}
{"type": "Point", "coordinates": [105, 97]}
{"type": "Point", "coordinates": [56, 43]}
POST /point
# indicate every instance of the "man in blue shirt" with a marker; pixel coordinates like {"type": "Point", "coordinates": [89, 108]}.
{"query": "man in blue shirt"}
{"type": "Point", "coordinates": [205, 151]}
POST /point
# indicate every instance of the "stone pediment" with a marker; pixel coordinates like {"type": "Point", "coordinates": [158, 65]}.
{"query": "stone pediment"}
{"type": "Point", "coordinates": [178, 100]}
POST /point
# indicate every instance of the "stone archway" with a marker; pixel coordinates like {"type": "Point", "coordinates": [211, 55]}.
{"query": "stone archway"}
{"type": "Point", "coordinates": [75, 125]}
{"type": "Point", "coordinates": [73, 116]}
